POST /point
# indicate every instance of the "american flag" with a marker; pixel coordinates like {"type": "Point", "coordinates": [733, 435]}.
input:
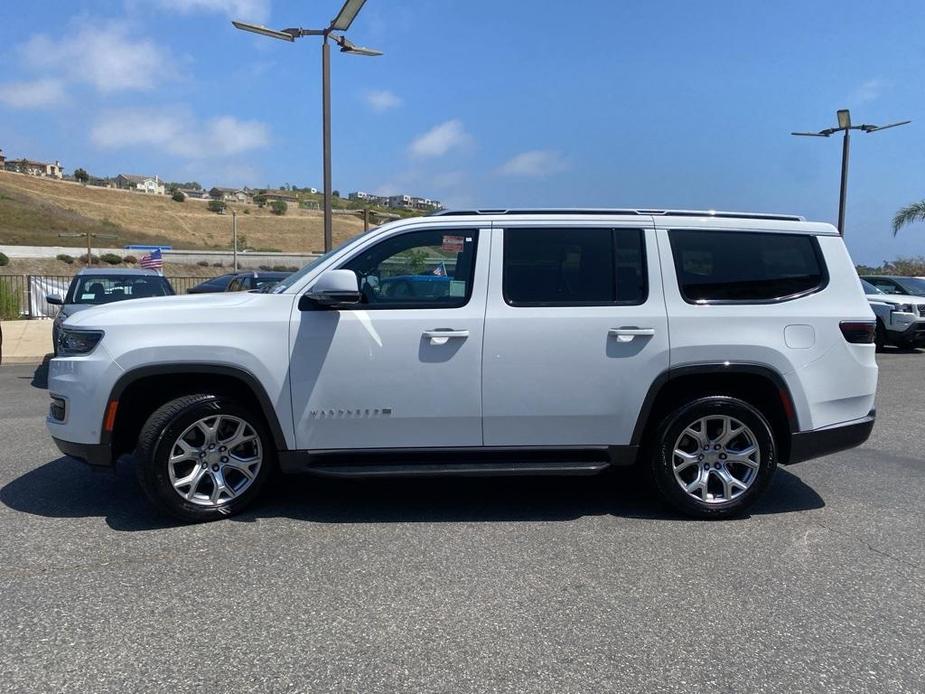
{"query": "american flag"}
{"type": "Point", "coordinates": [152, 261]}
{"type": "Point", "coordinates": [440, 270]}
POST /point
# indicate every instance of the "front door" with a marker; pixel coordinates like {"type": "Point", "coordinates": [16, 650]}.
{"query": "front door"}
{"type": "Point", "coordinates": [403, 368]}
{"type": "Point", "coordinates": [575, 333]}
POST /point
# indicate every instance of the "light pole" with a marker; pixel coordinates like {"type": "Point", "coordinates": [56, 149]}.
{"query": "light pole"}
{"type": "Point", "coordinates": [234, 238]}
{"type": "Point", "coordinates": [844, 125]}
{"type": "Point", "coordinates": [341, 22]}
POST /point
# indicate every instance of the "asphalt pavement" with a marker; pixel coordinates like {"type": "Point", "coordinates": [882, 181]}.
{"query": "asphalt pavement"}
{"type": "Point", "coordinates": [491, 585]}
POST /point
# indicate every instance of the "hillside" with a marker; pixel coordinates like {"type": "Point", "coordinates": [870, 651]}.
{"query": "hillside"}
{"type": "Point", "coordinates": [33, 211]}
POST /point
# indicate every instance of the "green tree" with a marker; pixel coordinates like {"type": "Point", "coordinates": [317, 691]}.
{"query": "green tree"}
{"type": "Point", "coordinates": [81, 176]}
{"type": "Point", "coordinates": [217, 206]}
{"type": "Point", "coordinates": [279, 207]}
{"type": "Point", "coordinates": [178, 196]}
{"type": "Point", "coordinates": [335, 193]}
{"type": "Point", "coordinates": [909, 214]}
{"type": "Point", "coordinates": [260, 200]}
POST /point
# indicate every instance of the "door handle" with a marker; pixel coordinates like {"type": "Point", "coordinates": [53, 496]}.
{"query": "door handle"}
{"type": "Point", "coordinates": [629, 333]}
{"type": "Point", "coordinates": [440, 336]}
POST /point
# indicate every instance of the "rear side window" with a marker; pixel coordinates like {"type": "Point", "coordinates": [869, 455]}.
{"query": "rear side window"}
{"type": "Point", "coordinates": [741, 266]}
{"type": "Point", "coordinates": [574, 267]}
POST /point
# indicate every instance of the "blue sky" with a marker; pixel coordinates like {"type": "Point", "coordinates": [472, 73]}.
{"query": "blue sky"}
{"type": "Point", "coordinates": [664, 103]}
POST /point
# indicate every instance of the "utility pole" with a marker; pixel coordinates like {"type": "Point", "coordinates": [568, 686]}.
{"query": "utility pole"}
{"type": "Point", "coordinates": [234, 238]}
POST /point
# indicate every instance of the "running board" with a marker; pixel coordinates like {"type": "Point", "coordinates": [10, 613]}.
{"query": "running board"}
{"type": "Point", "coordinates": [458, 462]}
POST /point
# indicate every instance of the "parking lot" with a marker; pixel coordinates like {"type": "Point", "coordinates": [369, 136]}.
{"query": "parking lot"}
{"type": "Point", "coordinates": [555, 585]}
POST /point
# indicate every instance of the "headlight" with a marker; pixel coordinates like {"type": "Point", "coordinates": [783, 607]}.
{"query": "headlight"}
{"type": "Point", "coordinates": [904, 308]}
{"type": "Point", "coordinates": [74, 342]}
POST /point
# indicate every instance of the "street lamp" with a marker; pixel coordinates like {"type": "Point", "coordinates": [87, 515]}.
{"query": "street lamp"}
{"type": "Point", "coordinates": [341, 22]}
{"type": "Point", "coordinates": [844, 125]}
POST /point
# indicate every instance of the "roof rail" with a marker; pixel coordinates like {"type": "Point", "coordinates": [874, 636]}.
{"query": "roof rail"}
{"type": "Point", "coordinates": [592, 211]}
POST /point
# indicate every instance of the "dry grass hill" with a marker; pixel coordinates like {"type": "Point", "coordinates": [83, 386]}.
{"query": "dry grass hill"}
{"type": "Point", "coordinates": [33, 211]}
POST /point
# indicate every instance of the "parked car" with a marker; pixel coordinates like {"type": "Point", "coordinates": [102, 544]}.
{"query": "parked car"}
{"type": "Point", "coordinates": [249, 281]}
{"type": "Point", "coordinates": [548, 353]}
{"type": "Point", "coordinates": [900, 317]}
{"type": "Point", "coordinates": [93, 287]}
{"type": "Point", "coordinates": [888, 284]}
{"type": "Point", "coordinates": [215, 284]}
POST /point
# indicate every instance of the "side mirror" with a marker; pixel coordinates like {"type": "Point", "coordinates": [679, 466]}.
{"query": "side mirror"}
{"type": "Point", "coordinates": [54, 299]}
{"type": "Point", "coordinates": [335, 287]}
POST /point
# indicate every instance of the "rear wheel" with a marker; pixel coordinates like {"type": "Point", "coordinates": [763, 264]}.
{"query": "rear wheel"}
{"type": "Point", "coordinates": [203, 457]}
{"type": "Point", "coordinates": [713, 457]}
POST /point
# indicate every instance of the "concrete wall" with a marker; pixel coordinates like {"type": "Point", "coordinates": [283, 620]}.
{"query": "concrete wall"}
{"type": "Point", "coordinates": [190, 257]}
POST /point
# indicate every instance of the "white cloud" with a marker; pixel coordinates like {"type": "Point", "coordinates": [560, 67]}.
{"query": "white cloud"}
{"type": "Point", "coordinates": [536, 163]}
{"type": "Point", "coordinates": [106, 56]}
{"type": "Point", "coordinates": [246, 10]}
{"type": "Point", "coordinates": [46, 92]}
{"type": "Point", "coordinates": [382, 100]}
{"type": "Point", "coordinates": [178, 133]}
{"type": "Point", "coordinates": [440, 139]}
{"type": "Point", "coordinates": [870, 91]}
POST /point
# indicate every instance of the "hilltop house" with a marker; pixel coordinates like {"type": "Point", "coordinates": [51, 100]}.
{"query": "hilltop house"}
{"type": "Point", "coordinates": [145, 184]}
{"type": "Point", "coordinates": [195, 193]}
{"type": "Point", "coordinates": [230, 194]}
{"type": "Point", "coordinates": [32, 168]}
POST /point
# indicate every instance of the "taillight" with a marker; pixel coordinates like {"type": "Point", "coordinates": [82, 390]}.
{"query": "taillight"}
{"type": "Point", "coordinates": [859, 332]}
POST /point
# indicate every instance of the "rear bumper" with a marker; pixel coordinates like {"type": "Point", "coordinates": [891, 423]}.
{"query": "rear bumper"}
{"type": "Point", "coordinates": [94, 454]}
{"type": "Point", "coordinates": [806, 445]}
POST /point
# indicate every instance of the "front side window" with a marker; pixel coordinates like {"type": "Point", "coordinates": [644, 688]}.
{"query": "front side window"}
{"type": "Point", "coordinates": [742, 266]}
{"type": "Point", "coordinates": [420, 269]}
{"type": "Point", "coordinates": [574, 267]}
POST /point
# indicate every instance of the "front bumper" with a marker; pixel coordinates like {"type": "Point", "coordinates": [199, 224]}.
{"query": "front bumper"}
{"type": "Point", "coordinates": [914, 334]}
{"type": "Point", "coordinates": [93, 454]}
{"type": "Point", "coordinates": [806, 445]}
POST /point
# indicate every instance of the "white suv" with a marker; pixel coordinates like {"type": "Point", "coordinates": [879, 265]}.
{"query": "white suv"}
{"type": "Point", "coordinates": [708, 347]}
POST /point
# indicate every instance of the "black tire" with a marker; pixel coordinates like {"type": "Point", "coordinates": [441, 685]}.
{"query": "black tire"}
{"type": "Point", "coordinates": [158, 437]}
{"type": "Point", "coordinates": [880, 336]}
{"type": "Point", "coordinates": [662, 463]}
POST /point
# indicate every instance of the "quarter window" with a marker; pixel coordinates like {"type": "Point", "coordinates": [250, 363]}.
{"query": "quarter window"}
{"type": "Point", "coordinates": [574, 267]}
{"type": "Point", "coordinates": [745, 266]}
{"type": "Point", "coordinates": [420, 269]}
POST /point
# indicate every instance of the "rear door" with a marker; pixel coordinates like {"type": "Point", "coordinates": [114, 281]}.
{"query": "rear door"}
{"type": "Point", "coordinates": [575, 331]}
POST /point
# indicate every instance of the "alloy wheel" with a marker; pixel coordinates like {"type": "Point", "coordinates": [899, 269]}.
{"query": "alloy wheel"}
{"type": "Point", "coordinates": [716, 459]}
{"type": "Point", "coordinates": [215, 460]}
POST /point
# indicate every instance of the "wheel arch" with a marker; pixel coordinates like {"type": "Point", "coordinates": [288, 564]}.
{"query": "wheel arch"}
{"type": "Point", "coordinates": [759, 385]}
{"type": "Point", "coordinates": [140, 391]}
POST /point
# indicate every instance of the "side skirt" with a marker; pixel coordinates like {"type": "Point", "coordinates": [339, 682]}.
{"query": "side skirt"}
{"type": "Point", "coordinates": [467, 462]}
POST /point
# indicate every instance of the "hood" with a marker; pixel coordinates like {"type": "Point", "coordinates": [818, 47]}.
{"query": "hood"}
{"type": "Point", "coordinates": [186, 308]}
{"type": "Point", "coordinates": [897, 299]}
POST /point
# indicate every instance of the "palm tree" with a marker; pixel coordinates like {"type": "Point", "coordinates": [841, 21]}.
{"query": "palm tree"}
{"type": "Point", "coordinates": [908, 214]}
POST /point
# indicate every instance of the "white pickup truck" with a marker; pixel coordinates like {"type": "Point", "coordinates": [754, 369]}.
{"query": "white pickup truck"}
{"type": "Point", "coordinates": [900, 317]}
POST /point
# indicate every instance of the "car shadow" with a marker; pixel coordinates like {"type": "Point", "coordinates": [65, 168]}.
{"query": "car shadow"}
{"type": "Point", "coordinates": [40, 376]}
{"type": "Point", "coordinates": [64, 488]}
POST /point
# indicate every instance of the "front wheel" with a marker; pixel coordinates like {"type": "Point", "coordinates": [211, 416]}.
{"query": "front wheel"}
{"type": "Point", "coordinates": [203, 457]}
{"type": "Point", "coordinates": [713, 457]}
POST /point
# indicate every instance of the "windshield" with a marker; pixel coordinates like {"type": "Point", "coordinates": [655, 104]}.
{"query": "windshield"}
{"type": "Point", "coordinates": [104, 289]}
{"type": "Point", "coordinates": [320, 260]}
{"type": "Point", "coordinates": [869, 288]}
{"type": "Point", "coordinates": [913, 285]}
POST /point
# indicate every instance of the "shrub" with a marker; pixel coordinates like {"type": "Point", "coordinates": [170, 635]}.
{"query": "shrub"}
{"type": "Point", "coordinates": [217, 206]}
{"type": "Point", "coordinates": [246, 211]}
{"type": "Point", "coordinates": [94, 260]}
{"type": "Point", "coordinates": [279, 268]}
{"type": "Point", "coordinates": [217, 265]}
{"type": "Point", "coordinates": [279, 207]}
{"type": "Point", "coordinates": [178, 196]}
{"type": "Point", "coordinates": [265, 268]}
{"type": "Point", "coordinates": [9, 303]}
{"type": "Point", "coordinates": [203, 263]}
{"type": "Point", "coordinates": [111, 258]}
{"type": "Point", "coordinates": [65, 258]}
{"type": "Point", "coordinates": [4, 260]}
{"type": "Point", "coordinates": [130, 260]}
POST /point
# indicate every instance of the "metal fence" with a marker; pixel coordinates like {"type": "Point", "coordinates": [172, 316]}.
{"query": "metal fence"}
{"type": "Point", "coordinates": [23, 296]}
